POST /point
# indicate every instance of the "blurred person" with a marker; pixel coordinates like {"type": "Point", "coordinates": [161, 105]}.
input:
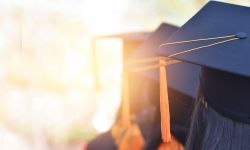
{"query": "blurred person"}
{"type": "Point", "coordinates": [182, 83]}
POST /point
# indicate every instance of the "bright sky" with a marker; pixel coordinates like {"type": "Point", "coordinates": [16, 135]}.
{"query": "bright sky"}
{"type": "Point", "coordinates": [46, 69]}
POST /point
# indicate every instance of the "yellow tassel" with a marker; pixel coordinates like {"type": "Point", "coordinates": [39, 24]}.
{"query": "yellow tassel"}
{"type": "Point", "coordinates": [164, 104]}
{"type": "Point", "coordinates": [127, 135]}
{"type": "Point", "coordinates": [132, 139]}
{"type": "Point", "coordinates": [125, 114]}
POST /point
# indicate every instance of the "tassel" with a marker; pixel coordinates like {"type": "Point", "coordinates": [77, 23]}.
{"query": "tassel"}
{"type": "Point", "coordinates": [125, 112]}
{"type": "Point", "coordinates": [164, 104]}
{"type": "Point", "coordinates": [124, 122]}
{"type": "Point", "coordinates": [132, 139]}
{"type": "Point", "coordinates": [173, 145]}
{"type": "Point", "coordinates": [129, 136]}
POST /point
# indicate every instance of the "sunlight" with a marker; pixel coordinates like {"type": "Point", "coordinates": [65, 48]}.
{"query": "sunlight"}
{"type": "Point", "coordinates": [103, 20]}
{"type": "Point", "coordinates": [109, 68]}
{"type": "Point", "coordinates": [101, 124]}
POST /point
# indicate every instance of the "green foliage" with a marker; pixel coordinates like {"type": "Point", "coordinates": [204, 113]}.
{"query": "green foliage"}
{"type": "Point", "coordinates": [79, 133]}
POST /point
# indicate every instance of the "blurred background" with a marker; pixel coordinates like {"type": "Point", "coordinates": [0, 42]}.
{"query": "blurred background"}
{"type": "Point", "coordinates": [56, 91]}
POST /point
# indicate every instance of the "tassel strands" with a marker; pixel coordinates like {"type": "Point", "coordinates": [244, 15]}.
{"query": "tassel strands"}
{"type": "Point", "coordinates": [164, 101]}
{"type": "Point", "coordinates": [125, 114]}
{"type": "Point", "coordinates": [164, 104]}
{"type": "Point", "coordinates": [125, 132]}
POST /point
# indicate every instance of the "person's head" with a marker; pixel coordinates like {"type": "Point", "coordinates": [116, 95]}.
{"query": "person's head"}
{"type": "Point", "coordinates": [217, 38]}
{"type": "Point", "coordinates": [212, 131]}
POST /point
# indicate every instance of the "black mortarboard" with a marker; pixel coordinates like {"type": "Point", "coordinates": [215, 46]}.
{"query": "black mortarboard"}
{"type": "Point", "coordinates": [215, 20]}
{"type": "Point", "coordinates": [217, 38]}
{"type": "Point", "coordinates": [130, 41]}
{"type": "Point", "coordinates": [182, 77]}
{"type": "Point", "coordinates": [182, 80]}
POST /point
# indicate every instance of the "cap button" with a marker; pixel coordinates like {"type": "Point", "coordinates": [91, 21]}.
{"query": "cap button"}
{"type": "Point", "coordinates": [241, 35]}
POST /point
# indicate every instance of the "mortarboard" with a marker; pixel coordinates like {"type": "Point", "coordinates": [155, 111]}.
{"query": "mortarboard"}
{"type": "Point", "coordinates": [215, 20]}
{"type": "Point", "coordinates": [216, 38]}
{"type": "Point", "coordinates": [182, 78]}
{"type": "Point", "coordinates": [130, 41]}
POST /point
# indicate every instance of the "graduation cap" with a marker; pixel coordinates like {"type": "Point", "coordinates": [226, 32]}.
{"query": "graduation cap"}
{"type": "Point", "coordinates": [182, 77]}
{"type": "Point", "coordinates": [217, 38]}
{"type": "Point", "coordinates": [130, 41]}
{"type": "Point", "coordinates": [182, 80]}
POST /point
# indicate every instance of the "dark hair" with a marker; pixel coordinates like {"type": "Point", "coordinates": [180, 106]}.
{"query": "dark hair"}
{"type": "Point", "coordinates": [212, 131]}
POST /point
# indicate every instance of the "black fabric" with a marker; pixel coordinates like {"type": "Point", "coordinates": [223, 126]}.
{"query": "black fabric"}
{"type": "Point", "coordinates": [227, 93]}
{"type": "Point", "coordinates": [154, 140]}
{"type": "Point", "coordinates": [102, 142]}
{"type": "Point", "coordinates": [180, 113]}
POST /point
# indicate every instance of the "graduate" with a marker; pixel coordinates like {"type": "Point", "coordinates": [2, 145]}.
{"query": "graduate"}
{"type": "Point", "coordinates": [144, 98]}
{"type": "Point", "coordinates": [182, 86]}
{"type": "Point", "coordinates": [217, 38]}
{"type": "Point", "coordinates": [131, 41]}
